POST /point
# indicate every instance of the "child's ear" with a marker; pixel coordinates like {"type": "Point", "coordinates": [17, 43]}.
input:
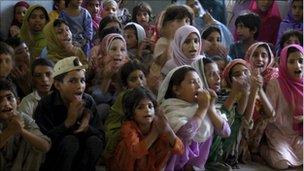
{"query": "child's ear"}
{"type": "Point", "coordinates": [254, 30]}
{"type": "Point", "coordinates": [56, 84]}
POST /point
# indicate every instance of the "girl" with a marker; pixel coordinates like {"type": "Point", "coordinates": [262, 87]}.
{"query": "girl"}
{"type": "Point", "coordinates": [58, 6]}
{"type": "Point", "coordinates": [186, 48]}
{"type": "Point", "coordinates": [80, 22]}
{"type": "Point", "coordinates": [288, 38]}
{"type": "Point", "coordinates": [113, 54]}
{"type": "Point", "coordinates": [259, 109]}
{"type": "Point", "coordinates": [19, 12]}
{"type": "Point", "coordinates": [212, 45]}
{"type": "Point", "coordinates": [93, 6]}
{"type": "Point", "coordinates": [132, 75]}
{"type": "Point", "coordinates": [293, 20]}
{"type": "Point", "coordinates": [34, 21]}
{"type": "Point", "coordinates": [284, 134]}
{"type": "Point", "coordinates": [59, 42]}
{"type": "Point", "coordinates": [191, 113]}
{"type": "Point", "coordinates": [109, 7]}
{"type": "Point", "coordinates": [142, 14]}
{"type": "Point", "coordinates": [237, 77]}
{"type": "Point", "coordinates": [270, 19]}
{"type": "Point", "coordinates": [147, 139]}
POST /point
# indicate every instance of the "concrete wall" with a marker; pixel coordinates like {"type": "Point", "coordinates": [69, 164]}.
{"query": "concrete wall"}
{"type": "Point", "coordinates": [6, 9]}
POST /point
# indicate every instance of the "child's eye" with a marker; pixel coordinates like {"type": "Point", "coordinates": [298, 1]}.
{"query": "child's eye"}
{"type": "Point", "coordinates": [301, 61]}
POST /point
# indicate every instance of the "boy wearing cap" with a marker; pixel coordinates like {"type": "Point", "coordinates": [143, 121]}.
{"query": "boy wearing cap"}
{"type": "Point", "coordinates": [21, 141]}
{"type": "Point", "coordinates": [68, 116]}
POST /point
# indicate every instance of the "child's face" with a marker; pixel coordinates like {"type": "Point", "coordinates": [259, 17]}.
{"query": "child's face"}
{"type": "Point", "coordinates": [292, 40]}
{"type": "Point", "coordinates": [295, 65]}
{"type": "Point", "coordinates": [214, 38]}
{"type": "Point", "coordinates": [191, 46]}
{"type": "Point", "coordinates": [93, 7]}
{"type": "Point", "coordinates": [142, 17]}
{"type": "Point", "coordinates": [130, 37]}
{"type": "Point", "coordinates": [260, 58]}
{"type": "Point", "coordinates": [43, 79]}
{"type": "Point", "coordinates": [61, 5]}
{"type": "Point", "coordinates": [72, 87]}
{"type": "Point", "coordinates": [117, 54]}
{"type": "Point", "coordinates": [213, 77]}
{"type": "Point", "coordinates": [187, 90]}
{"type": "Point", "coordinates": [22, 55]}
{"type": "Point", "coordinates": [6, 65]}
{"type": "Point", "coordinates": [8, 105]}
{"type": "Point", "coordinates": [244, 33]}
{"type": "Point", "coordinates": [136, 79]}
{"type": "Point", "coordinates": [109, 10]}
{"type": "Point", "coordinates": [64, 35]}
{"type": "Point", "coordinates": [194, 5]}
{"type": "Point", "coordinates": [264, 5]}
{"type": "Point", "coordinates": [297, 10]}
{"type": "Point", "coordinates": [240, 71]}
{"type": "Point", "coordinates": [144, 112]}
{"type": "Point", "coordinates": [20, 13]}
{"type": "Point", "coordinates": [37, 20]}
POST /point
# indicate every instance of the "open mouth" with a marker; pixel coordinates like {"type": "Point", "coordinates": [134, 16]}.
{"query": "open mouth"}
{"type": "Point", "coordinates": [78, 95]}
{"type": "Point", "coordinates": [298, 72]}
{"type": "Point", "coordinates": [7, 110]}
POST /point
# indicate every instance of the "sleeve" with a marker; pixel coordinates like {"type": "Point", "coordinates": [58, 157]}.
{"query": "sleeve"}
{"type": "Point", "coordinates": [187, 132]}
{"type": "Point", "coordinates": [42, 116]}
{"type": "Point", "coordinates": [131, 141]}
{"type": "Point", "coordinates": [272, 93]}
{"type": "Point", "coordinates": [24, 107]}
{"type": "Point", "coordinates": [88, 26]}
{"type": "Point", "coordinates": [225, 131]}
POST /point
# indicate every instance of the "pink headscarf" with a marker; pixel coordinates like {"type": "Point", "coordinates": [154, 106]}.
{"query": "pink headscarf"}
{"type": "Point", "coordinates": [107, 41]}
{"type": "Point", "coordinates": [226, 72]}
{"type": "Point", "coordinates": [179, 38]}
{"type": "Point", "coordinates": [270, 21]}
{"type": "Point", "coordinates": [291, 88]}
{"type": "Point", "coordinates": [270, 72]}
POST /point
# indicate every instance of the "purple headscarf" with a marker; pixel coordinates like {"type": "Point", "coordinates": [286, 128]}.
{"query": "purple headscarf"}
{"type": "Point", "coordinates": [179, 38]}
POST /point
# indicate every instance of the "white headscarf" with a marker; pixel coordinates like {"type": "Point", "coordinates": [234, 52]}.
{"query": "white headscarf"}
{"type": "Point", "coordinates": [140, 32]}
{"type": "Point", "coordinates": [179, 112]}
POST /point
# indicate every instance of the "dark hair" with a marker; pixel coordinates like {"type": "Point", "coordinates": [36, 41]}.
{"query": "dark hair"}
{"type": "Point", "coordinates": [6, 85]}
{"type": "Point", "coordinates": [6, 49]}
{"type": "Point", "coordinates": [14, 41]}
{"type": "Point", "coordinates": [127, 69]}
{"type": "Point", "coordinates": [207, 60]}
{"type": "Point", "coordinates": [218, 58]}
{"type": "Point", "coordinates": [210, 30]}
{"type": "Point", "coordinates": [291, 50]}
{"type": "Point", "coordinates": [141, 7]}
{"type": "Point", "coordinates": [176, 79]}
{"type": "Point", "coordinates": [251, 21]}
{"type": "Point", "coordinates": [55, 4]}
{"type": "Point", "coordinates": [106, 20]}
{"type": "Point", "coordinates": [44, 12]}
{"type": "Point", "coordinates": [178, 12]}
{"type": "Point", "coordinates": [107, 31]}
{"type": "Point", "coordinates": [60, 77]}
{"type": "Point", "coordinates": [133, 97]}
{"type": "Point", "coordinates": [41, 62]}
{"type": "Point", "coordinates": [67, 2]}
{"type": "Point", "coordinates": [290, 33]}
{"type": "Point", "coordinates": [57, 22]}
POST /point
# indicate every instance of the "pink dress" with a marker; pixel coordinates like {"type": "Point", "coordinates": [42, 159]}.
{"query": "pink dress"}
{"type": "Point", "coordinates": [284, 145]}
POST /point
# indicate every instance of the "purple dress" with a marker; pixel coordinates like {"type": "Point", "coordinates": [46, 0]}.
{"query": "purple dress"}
{"type": "Point", "coordinates": [196, 154]}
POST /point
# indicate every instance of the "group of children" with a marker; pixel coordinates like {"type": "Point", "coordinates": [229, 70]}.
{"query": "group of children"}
{"type": "Point", "coordinates": [90, 84]}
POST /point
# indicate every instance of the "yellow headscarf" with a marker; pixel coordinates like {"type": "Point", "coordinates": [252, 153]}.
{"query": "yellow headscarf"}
{"type": "Point", "coordinates": [55, 50]}
{"type": "Point", "coordinates": [35, 42]}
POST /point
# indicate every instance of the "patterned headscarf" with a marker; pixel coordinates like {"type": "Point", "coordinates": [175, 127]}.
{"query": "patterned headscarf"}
{"type": "Point", "coordinates": [270, 72]}
{"type": "Point", "coordinates": [227, 70]}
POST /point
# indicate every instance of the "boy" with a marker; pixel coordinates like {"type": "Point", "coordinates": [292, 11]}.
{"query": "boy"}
{"type": "Point", "coordinates": [68, 116]}
{"type": "Point", "coordinates": [247, 30]}
{"type": "Point", "coordinates": [42, 80]}
{"type": "Point", "coordinates": [21, 141]}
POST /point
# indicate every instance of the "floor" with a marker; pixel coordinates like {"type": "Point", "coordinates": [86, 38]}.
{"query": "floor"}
{"type": "Point", "coordinates": [243, 167]}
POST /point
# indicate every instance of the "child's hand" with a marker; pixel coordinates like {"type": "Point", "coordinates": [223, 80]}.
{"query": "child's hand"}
{"type": "Point", "coordinates": [256, 80]}
{"type": "Point", "coordinates": [213, 96]}
{"type": "Point", "coordinates": [84, 124]}
{"type": "Point", "coordinates": [76, 108]}
{"type": "Point", "coordinates": [240, 84]}
{"type": "Point", "coordinates": [16, 124]}
{"type": "Point", "coordinates": [203, 98]}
